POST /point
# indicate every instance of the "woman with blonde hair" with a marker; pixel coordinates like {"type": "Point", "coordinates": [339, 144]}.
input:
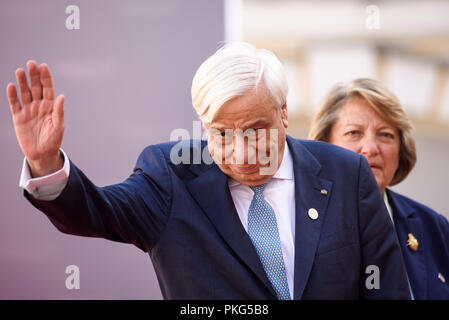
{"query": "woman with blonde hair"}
{"type": "Point", "coordinates": [365, 117]}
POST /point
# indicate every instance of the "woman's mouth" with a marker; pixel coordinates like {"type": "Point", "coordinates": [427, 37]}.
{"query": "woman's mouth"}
{"type": "Point", "coordinates": [375, 166]}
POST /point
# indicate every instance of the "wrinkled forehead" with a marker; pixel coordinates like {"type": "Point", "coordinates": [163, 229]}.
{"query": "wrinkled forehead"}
{"type": "Point", "coordinates": [243, 125]}
{"type": "Point", "coordinates": [247, 111]}
{"type": "Point", "coordinates": [359, 111]}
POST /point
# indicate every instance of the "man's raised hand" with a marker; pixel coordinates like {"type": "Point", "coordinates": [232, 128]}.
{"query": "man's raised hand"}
{"type": "Point", "coordinates": [39, 120]}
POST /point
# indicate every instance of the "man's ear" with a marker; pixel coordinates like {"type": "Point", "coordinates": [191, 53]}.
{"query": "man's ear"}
{"type": "Point", "coordinates": [284, 115]}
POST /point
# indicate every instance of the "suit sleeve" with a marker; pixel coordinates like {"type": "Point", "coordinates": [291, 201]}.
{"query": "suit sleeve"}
{"type": "Point", "coordinates": [379, 244]}
{"type": "Point", "coordinates": [134, 211]}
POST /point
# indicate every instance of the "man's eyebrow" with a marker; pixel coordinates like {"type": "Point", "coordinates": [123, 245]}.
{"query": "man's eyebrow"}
{"type": "Point", "coordinates": [256, 123]}
{"type": "Point", "coordinates": [218, 127]}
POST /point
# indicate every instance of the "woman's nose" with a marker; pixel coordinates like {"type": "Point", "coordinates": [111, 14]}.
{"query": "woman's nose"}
{"type": "Point", "coordinates": [369, 147]}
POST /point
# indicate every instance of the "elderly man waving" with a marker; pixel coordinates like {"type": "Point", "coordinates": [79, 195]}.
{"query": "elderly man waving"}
{"type": "Point", "coordinates": [271, 217]}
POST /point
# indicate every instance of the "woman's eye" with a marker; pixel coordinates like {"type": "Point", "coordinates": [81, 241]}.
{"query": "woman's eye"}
{"type": "Point", "coordinates": [387, 135]}
{"type": "Point", "coordinates": [353, 133]}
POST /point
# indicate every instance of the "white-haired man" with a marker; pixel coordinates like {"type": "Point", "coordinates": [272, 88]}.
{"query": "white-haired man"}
{"type": "Point", "coordinates": [271, 217]}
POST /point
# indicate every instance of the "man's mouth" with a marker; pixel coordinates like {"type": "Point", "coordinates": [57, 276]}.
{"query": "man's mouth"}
{"type": "Point", "coordinates": [247, 169]}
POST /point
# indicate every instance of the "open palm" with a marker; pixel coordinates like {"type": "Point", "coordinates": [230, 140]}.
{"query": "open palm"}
{"type": "Point", "coordinates": [39, 121]}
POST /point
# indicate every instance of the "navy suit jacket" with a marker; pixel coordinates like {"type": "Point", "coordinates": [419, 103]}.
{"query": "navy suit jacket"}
{"type": "Point", "coordinates": [184, 217]}
{"type": "Point", "coordinates": [432, 258]}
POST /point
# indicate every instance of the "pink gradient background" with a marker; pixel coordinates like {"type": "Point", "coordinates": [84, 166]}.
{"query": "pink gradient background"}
{"type": "Point", "coordinates": [126, 75]}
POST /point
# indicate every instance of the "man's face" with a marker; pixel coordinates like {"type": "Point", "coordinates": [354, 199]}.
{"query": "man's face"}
{"type": "Point", "coordinates": [246, 137]}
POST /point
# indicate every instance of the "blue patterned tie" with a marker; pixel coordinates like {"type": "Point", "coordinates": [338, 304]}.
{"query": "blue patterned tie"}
{"type": "Point", "coordinates": [264, 233]}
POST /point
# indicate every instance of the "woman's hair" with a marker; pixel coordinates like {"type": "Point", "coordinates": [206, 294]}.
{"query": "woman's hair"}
{"type": "Point", "coordinates": [232, 71]}
{"type": "Point", "coordinates": [383, 102]}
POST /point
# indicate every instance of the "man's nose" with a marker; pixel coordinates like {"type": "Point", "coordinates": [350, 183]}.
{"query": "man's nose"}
{"type": "Point", "coordinates": [240, 150]}
{"type": "Point", "coordinates": [244, 150]}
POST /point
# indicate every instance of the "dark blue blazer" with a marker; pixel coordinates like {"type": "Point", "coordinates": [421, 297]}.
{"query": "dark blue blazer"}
{"type": "Point", "coordinates": [184, 217]}
{"type": "Point", "coordinates": [432, 258]}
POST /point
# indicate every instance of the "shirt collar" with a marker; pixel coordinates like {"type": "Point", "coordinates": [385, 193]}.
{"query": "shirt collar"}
{"type": "Point", "coordinates": [387, 204]}
{"type": "Point", "coordinates": [285, 171]}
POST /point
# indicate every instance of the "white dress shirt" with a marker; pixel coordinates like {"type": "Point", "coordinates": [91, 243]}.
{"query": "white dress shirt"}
{"type": "Point", "coordinates": [47, 187]}
{"type": "Point", "coordinates": [279, 193]}
{"type": "Point", "coordinates": [390, 211]}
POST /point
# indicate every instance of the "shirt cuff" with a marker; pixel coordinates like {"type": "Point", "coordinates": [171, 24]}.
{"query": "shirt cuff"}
{"type": "Point", "coordinates": [47, 187]}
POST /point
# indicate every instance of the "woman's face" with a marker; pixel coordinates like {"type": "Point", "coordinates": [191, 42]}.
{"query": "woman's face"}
{"type": "Point", "coordinates": [360, 129]}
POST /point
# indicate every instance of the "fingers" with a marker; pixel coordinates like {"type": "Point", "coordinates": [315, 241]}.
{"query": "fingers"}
{"type": "Point", "coordinates": [58, 112]}
{"type": "Point", "coordinates": [35, 77]}
{"type": "Point", "coordinates": [14, 102]}
{"type": "Point", "coordinates": [48, 91]}
{"type": "Point", "coordinates": [25, 92]}
{"type": "Point", "coordinates": [41, 83]}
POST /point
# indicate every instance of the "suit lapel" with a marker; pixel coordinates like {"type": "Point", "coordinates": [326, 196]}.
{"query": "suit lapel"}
{"type": "Point", "coordinates": [406, 222]}
{"type": "Point", "coordinates": [308, 195]}
{"type": "Point", "coordinates": [210, 190]}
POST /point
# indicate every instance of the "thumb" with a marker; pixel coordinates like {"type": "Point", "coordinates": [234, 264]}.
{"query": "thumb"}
{"type": "Point", "coordinates": [58, 111]}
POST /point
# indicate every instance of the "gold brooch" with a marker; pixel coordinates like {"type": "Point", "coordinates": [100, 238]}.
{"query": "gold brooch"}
{"type": "Point", "coordinates": [412, 242]}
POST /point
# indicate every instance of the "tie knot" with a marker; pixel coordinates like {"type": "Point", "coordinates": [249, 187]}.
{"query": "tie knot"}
{"type": "Point", "coordinates": [258, 190]}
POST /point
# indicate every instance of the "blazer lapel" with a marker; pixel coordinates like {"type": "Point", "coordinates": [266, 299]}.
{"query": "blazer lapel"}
{"type": "Point", "coordinates": [210, 190]}
{"type": "Point", "coordinates": [311, 192]}
{"type": "Point", "coordinates": [406, 222]}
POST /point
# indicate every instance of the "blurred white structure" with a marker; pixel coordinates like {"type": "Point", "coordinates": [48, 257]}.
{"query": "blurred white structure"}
{"type": "Point", "coordinates": [404, 44]}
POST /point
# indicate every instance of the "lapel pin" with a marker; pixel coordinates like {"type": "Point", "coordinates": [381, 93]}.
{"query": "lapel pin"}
{"type": "Point", "coordinates": [313, 214]}
{"type": "Point", "coordinates": [441, 277]}
{"type": "Point", "coordinates": [412, 242]}
{"type": "Point", "coordinates": [323, 192]}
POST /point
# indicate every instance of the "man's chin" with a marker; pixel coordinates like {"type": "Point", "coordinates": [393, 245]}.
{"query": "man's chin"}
{"type": "Point", "coordinates": [250, 179]}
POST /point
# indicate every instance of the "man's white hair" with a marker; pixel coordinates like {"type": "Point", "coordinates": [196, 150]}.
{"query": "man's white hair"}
{"type": "Point", "coordinates": [232, 71]}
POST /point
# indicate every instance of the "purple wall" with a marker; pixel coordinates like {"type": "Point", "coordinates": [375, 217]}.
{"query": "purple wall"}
{"type": "Point", "coordinates": [126, 74]}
